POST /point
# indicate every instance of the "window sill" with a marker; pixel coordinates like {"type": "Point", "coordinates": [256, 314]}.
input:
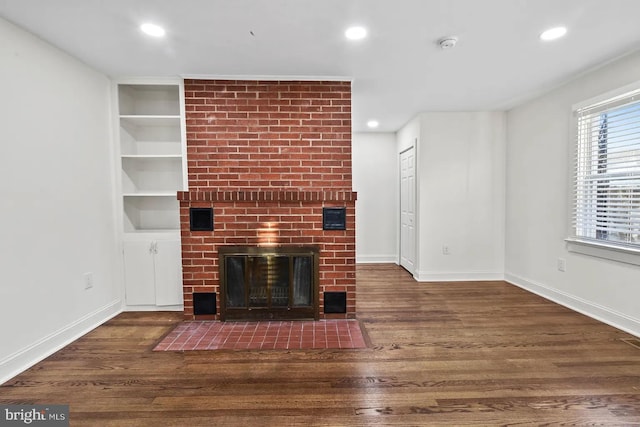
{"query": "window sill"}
{"type": "Point", "coordinates": [604, 250]}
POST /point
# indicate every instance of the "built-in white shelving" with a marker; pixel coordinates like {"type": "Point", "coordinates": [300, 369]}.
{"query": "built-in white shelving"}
{"type": "Point", "coordinates": [151, 170]}
{"type": "Point", "coordinates": [151, 155]}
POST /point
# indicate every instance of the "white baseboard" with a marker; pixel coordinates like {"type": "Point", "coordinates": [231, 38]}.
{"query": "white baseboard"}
{"type": "Point", "coordinates": [588, 308]}
{"type": "Point", "coordinates": [153, 308]}
{"type": "Point", "coordinates": [455, 276]}
{"type": "Point", "coordinates": [377, 259]}
{"type": "Point", "coordinates": [21, 360]}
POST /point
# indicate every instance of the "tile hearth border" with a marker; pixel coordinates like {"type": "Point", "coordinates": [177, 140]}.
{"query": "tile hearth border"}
{"type": "Point", "coordinates": [264, 335]}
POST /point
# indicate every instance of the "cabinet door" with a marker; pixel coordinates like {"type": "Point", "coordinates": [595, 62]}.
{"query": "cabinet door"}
{"type": "Point", "coordinates": [168, 269]}
{"type": "Point", "coordinates": [138, 273]}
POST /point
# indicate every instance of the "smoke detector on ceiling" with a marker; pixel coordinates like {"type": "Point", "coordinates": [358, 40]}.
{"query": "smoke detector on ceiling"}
{"type": "Point", "coordinates": [447, 42]}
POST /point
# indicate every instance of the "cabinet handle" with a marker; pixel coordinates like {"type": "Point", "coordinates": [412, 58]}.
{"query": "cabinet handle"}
{"type": "Point", "coordinates": [151, 247]}
{"type": "Point", "coordinates": [155, 247]}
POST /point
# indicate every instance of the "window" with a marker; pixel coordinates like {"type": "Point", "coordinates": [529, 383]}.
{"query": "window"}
{"type": "Point", "coordinates": [606, 208]}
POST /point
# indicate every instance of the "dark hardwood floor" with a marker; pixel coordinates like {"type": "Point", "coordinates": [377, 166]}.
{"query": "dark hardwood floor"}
{"type": "Point", "coordinates": [483, 353]}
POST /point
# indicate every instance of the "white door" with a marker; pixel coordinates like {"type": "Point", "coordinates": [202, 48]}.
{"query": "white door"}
{"type": "Point", "coordinates": [408, 209]}
{"type": "Point", "coordinates": [168, 269]}
{"type": "Point", "coordinates": [139, 273]}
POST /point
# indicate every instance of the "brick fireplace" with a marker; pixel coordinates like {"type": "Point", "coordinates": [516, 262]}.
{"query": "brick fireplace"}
{"type": "Point", "coordinates": [267, 157]}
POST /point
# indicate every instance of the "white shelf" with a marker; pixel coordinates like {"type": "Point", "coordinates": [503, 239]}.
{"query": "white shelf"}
{"type": "Point", "coordinates": [149, 99]}
{"type": "Point", "coordinates": [150, 120]}
{"type": "Point", "coordinates": [143, 213]}
{"type": "Point", "coordinates": [151, 233]}
{"type": "Point", "coordinates": [151, 194]}
{"type": "Point", "coordinates": [151, 174]}
{"type": "Point", "coordinates": [151, 156]}
{"type": "Point", "coordinates": [150, 135]}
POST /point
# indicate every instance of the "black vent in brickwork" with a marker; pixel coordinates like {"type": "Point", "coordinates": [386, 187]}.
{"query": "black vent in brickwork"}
{"type": "Point", "coordinates": [335, 302]}
{"type": "Point", "coordinates": [201, 219]}
{"type": "Point", "coordinates": [204, 303]}
{"type": "Point", "coordinates": [334, 218]}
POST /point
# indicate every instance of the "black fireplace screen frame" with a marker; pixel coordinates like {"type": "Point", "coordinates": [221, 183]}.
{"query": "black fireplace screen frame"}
{"type": "Point", "coordinates": [240, 307]}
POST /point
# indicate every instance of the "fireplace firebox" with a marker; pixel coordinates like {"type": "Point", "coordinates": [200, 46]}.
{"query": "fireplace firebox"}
{"type": "Point", "coordinates": [269, 282]}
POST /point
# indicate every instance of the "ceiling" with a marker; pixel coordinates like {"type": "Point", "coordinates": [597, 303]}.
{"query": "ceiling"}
{"type": "Point", "coordinates": [397, 71]}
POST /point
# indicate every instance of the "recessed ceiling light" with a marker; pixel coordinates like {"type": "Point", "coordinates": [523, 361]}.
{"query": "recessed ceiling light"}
{"type": "Point", "coordinates": [373, 124]}
{"type": "Point", "coordinates": [553, 33]}
{"type": "Point", "coordinates": [356, 33]}
{"type": "Point", "coordinates": [152, 30]}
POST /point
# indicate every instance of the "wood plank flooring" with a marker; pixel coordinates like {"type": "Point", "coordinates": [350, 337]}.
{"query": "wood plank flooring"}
{"type": "Point", "coordinates": [481, 353]}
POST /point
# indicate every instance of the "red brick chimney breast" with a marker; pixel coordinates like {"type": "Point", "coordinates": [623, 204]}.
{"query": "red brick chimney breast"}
{"type": "Point", "coordinates": [267, 156]}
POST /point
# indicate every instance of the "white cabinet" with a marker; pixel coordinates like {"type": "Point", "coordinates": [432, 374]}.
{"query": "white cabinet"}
{"type": "Point", "coordinates": [153, 272]}
{"type": "Point", "coordinates": [151, 169]}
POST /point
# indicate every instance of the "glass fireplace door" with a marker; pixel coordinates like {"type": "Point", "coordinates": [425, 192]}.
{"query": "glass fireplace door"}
{"type": "Point", "coordinates": [269, 285]}
{"type": "Point", "coordinates": [268, 281]}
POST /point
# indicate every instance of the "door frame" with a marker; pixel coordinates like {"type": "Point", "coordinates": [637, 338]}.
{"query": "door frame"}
{"type": "Point", "coordinates": [415, 198]}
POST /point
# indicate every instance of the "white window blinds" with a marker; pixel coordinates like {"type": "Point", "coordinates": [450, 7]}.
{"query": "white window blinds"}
{"type": "Point", "coordinates": [607, 172]}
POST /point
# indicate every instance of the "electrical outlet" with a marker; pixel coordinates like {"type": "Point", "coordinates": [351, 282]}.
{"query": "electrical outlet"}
{"type": "Point", "coordinates": [562, 264]}
{"type": "Point", "coordinates": [88, 280]}
{"type": "Point", "coordinates": [445, 250]}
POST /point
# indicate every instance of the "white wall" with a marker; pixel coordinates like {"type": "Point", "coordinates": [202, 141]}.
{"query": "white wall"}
{"type": "Point", "coordinates": [57, 217]}
{"type": "Point", "coordinates": [375, 178]}
{"type": "Point", "coordinates": [408, 135]}
{"type": "Point", "coordinates": [461, 188]}
{"type": "Point", "coordinates": [538, 176]}
{"type": "Point", "coordinates": [461, 196]}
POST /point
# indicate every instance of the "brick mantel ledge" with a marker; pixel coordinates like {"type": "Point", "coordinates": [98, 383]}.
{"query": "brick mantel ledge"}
{"type": "Point", "coordinates": [267, 196]}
